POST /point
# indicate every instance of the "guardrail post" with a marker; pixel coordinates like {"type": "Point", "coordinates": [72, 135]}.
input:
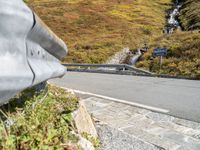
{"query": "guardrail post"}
{"type": "Point", "coordinates": [40, 87]}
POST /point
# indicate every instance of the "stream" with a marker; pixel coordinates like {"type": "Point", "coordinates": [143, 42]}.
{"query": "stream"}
{"type": "Point", "coordinates": [172, 20]}
{"type": "Point", "coordinates": [172, 25]}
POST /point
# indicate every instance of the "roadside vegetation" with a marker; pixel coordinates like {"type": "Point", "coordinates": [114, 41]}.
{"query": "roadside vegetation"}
{"type": "Point", "coordinates": [183, 57]}
{"type": "Point", "coordinates": [38, 121]}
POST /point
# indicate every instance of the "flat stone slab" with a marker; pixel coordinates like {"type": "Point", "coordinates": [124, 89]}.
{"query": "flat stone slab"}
{"type": "Point", "coordinates": [113, 139]}
{"type": "Point", "coordinates": [123, 124]}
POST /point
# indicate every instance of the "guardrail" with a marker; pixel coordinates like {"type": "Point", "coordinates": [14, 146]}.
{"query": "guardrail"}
{"type": "Point", "coordinates": [29, 50]}
{"type": "Point", "coordinates": [122, 69]}
{"type": "Point", "coordinates": [107, 68]}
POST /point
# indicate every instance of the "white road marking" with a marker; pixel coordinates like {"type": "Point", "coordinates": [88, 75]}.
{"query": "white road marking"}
{"type": "Point", "coordinates": [118, 100]}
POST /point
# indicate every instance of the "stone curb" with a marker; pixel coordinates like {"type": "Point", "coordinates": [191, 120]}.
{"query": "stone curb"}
{"type": "Point", "coordinates": [83, 121]}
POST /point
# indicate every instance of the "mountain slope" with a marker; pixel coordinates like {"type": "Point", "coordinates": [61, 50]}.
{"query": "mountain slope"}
{"type": "Point", "coordinates": [183, 46]}
{"type": "Point", "coordinates": [95, 30]}
{"type": "Point", "coordinates": [190, 15]}
{"type": "Point", "coordinates": [183, 55]}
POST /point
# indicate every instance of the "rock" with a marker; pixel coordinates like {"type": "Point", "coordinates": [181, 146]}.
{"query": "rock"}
{"type": "Point", "coordinates": [119, 57]}
{"type": "Point", "coordinates": [83, 121]}
{"type": "Point", "coordinates": [85, 144]}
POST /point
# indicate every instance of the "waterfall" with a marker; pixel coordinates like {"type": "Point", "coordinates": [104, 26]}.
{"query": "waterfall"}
{"type": "Point", "coordinates": [172, 21]}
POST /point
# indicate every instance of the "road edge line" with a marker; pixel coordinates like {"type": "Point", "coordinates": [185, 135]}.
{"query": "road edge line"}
{"type": "Point", "coordinates": [155, 109]}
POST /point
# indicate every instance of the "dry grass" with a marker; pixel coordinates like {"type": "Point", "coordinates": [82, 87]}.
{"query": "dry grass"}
{"type": "Point", "coordinates": [184, 47]}
{"type": "Point", "coordinates": [183, 54]}
{"type": "Point", "coordinates": [95, 30]}
{"type": "Point", "coordinates": [190, 15]}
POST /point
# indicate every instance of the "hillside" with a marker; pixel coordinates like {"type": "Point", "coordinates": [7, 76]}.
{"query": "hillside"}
{"type": "Point", "coordinates": [190, 15]}
{"type": "Point", "coordinates": [183, 55]}
{"type": "Point", "coordinates": [95, 30]}
{"type": "Point", "coordinates": [183, 46]}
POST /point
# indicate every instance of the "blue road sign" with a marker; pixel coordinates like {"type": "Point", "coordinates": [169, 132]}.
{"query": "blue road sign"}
{"type": "Point", "coordinates": [160, 52]}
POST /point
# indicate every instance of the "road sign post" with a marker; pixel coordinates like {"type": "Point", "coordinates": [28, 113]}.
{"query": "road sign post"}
{"type": "Point", "coordinates": [161, 59]}
{"type": "Point", "coordinates": [160, 52]}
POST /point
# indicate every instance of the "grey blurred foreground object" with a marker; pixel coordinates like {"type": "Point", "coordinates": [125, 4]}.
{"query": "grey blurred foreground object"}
{"type": "Point", "coordinates": [29, 50]}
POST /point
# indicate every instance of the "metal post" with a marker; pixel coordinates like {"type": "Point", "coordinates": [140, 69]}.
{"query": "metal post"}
{"type": "Point", "coordinates": [41, 87]}
{"type": "Point", "coordinates": [161, 59]}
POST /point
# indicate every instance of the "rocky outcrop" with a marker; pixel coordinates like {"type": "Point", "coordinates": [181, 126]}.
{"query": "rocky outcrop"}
{"type": "Point", "coordinates": [119, 57]}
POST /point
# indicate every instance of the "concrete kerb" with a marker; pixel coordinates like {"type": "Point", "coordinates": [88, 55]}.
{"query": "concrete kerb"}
{"type": "Point", "coordinates": [151, 108]}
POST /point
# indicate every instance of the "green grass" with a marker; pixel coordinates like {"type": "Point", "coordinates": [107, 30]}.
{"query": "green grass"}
{"type": "Point", "coordinates": [41, 121]}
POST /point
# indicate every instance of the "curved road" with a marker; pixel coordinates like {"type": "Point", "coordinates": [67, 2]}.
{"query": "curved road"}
{"type": "Point", "coordinates": [180, 98]}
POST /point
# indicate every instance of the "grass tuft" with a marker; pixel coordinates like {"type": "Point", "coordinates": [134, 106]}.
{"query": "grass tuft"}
{"type": "Point", "coordinates": [38, 121]}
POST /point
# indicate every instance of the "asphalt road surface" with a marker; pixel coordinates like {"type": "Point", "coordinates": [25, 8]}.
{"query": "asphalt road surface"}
{"type": "Point", "coordinates": [181, 98]}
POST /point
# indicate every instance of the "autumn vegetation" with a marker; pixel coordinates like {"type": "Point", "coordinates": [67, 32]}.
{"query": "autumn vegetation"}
{"type": "Point", "coordinates": [95, 30]}
{"type": "Point", "coordinates": [190, 15]}
{"type": "Point", "coordinates": [183, 46]}
{"type": "Point", "coordinates": [183, 57]}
